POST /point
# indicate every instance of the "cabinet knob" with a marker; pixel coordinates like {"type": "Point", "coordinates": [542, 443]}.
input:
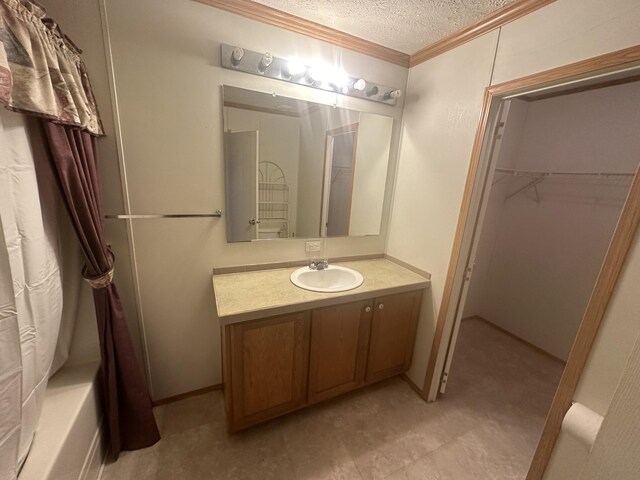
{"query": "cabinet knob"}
{"type": "Point", "coordinates": [380, 306]}
{"type": "Point", "coordinates": [367, 309]}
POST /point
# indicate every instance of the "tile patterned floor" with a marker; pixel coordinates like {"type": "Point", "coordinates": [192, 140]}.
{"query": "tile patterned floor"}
{"type": "Point", "coordinates": [486, 427]}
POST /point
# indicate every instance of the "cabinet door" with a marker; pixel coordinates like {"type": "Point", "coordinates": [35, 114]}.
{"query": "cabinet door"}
{"type": "Point", "coordinates": [269, 361]}
{"type": "Point", "coordinates": [393, 332]}
{"type": "Point", "coordinates": [339, 343]}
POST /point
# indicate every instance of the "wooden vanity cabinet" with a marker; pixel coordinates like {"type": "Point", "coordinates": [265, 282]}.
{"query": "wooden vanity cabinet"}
{"type": "Point", "coordinates": [393, 333]}
{"type": "Point", "coordinates": [265, 368]}
{"type": "Point", "coordinates": [275, 365]}
{"type": "Point", "coordinates": [339, 346]}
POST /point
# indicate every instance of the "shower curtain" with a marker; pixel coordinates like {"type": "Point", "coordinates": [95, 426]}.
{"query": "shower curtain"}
{"type": "Point", "coordinates": [30, 292]}
{"type": "Point", "coordinates": [43, 75]}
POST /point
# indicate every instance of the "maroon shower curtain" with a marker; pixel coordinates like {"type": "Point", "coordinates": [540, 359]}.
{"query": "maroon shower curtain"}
{"type": "Point", "coordinates": [127, 403]}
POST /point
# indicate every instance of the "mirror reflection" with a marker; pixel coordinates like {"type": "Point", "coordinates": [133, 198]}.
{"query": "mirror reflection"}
{"type": "Point", "coordinates": [294, 168]}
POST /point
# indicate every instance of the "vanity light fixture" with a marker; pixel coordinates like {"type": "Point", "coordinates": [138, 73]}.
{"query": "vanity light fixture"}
{"type": "Point", "coordinates": [321, 76]}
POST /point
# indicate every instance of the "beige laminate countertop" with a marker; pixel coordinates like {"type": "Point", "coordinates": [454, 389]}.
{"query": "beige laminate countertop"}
{"type": "Point", "coordinates": [251, 295]}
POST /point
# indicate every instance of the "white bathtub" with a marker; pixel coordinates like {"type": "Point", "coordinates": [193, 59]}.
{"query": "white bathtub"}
{"type": "Point", "coordinates": [68, 444]}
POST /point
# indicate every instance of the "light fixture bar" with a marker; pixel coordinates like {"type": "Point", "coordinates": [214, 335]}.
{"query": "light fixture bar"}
{"type": "Point", "coordinates": [294, 71]}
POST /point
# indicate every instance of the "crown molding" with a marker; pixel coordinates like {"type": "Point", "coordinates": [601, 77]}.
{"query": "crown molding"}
{"type": "Point", "coordinates": [497, 19]}
{"type": "Point", "coordinates": [278, 18]}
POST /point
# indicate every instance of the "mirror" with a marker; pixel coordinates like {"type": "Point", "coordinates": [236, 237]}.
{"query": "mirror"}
{"type": "Point", "coordinates": [297, 169]}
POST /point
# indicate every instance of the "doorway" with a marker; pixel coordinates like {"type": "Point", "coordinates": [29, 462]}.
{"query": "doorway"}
{"type": "Point", "coordinates": [485, 171]}
{"type": "Point", "coordinates": [340, 159]}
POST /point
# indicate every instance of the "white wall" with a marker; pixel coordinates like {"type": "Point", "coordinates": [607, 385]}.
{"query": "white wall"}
{"type": "Point", "coordinates": [538, 262]}
{"type": "Point", "coordinates": [169, 115]}
{"type": "Point", "coordinates": [310, 174]}
{"type": "Point", "coordinates": [372, 158]}
{"type": "Point", "coordinates": [442, 109]}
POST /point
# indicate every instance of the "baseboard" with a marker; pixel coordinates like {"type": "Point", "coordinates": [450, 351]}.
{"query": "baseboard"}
{"type": "Point", "coordinates": [182, 396]}
{"type": "Point", "coordinates": [516, 337]}
{"type": "Point", "coordinates": [413, 386]}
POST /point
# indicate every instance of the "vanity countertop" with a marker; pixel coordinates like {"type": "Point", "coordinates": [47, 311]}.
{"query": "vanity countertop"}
{"type": "Point", "coordinates": [251, 295]}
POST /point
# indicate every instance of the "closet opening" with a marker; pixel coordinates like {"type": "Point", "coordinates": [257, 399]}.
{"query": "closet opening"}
{"type": "Point", "coordinates": [551, 207]}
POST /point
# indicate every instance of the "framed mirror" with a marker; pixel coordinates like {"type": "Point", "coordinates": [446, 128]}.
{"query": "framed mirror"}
{"type": "Point", "coordinates": [298, 169]}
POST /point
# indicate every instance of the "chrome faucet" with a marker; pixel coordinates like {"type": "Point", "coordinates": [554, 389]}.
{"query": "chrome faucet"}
{"type": "Point", "coordinates": [319, 264]}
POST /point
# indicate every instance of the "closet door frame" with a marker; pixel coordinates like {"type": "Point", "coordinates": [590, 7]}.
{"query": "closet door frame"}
{"type": "Point", "coordinates": [576, 74]}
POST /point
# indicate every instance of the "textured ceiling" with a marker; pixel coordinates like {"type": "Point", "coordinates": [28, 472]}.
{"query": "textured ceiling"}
{"type": "Point", "coordinates": [404, 25]}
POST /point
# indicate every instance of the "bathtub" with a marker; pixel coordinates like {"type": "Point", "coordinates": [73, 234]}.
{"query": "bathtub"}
{"type": "Point", "coordinates": [69, 443]}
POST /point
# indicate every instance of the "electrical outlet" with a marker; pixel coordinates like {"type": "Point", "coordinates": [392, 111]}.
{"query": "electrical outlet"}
{"type": "Point", "coordinates": [313, 246]}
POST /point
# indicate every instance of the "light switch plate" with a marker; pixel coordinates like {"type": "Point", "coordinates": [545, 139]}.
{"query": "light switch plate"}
{"type": "Point", "coordinates": [313, 246]}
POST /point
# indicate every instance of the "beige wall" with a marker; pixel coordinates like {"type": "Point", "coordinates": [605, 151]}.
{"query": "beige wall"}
{"type": "Point", "coordinates": [310, 173]}
{"type": "Point", "coordinates": [168, 114]}
{"type": "Point", "coordinates": [372, 157]}
{"type": "Point", "coordinates": [442, 108]}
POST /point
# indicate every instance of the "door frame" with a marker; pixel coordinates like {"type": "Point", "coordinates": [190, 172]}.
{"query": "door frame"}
{"type": "Point", "coordinates": [621, 242]}
{"type": "Point", "coordinates": [328, 164]}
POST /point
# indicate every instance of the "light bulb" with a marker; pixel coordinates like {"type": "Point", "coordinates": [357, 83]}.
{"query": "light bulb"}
{"type": "Point", "coordinates": [293, 68]}
{"type": "Point", "coordinates": [265, 61]}
{"type": "Point", "coordinates": [360, 85]}
{"type": "Point", "coordinates": [393, 94]}
{"type": "Point", "coordinates": [339, 80]}
{"type": "Point", "coordinates": [236, 56]}
{"type": "Point", "coordinates": [372, 91]}
{"type": "Point", "coordinates": [318, 74]}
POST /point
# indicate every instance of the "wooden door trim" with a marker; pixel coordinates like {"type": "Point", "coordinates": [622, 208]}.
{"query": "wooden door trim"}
{"type": "Point", "coordinates": [497, 19]}
{"type": "Point", "coordinates": [293, 23]}
{"type": "Point", "coordinates": [614, 261]}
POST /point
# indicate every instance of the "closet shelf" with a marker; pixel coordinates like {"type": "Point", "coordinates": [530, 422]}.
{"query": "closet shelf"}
{"type": "Point", "coordinates": [539, 177]}
{"type": "Point", "coordinates": [528, 173]}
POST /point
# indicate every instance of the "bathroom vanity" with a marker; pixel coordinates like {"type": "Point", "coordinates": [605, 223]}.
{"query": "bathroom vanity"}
{"type": "Point", "coordinates": [284, 347]}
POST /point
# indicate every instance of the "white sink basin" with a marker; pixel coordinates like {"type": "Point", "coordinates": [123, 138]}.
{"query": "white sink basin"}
{"type": "Point", "coordinates": [334, 278]}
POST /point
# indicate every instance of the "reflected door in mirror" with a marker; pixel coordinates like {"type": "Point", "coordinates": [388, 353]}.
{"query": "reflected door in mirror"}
{"type": "Point", "coordinates": [241, 172]}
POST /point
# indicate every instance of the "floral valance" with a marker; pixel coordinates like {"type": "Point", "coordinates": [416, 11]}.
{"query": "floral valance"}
{"type": "Point", "coordinates": [41, 72]}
